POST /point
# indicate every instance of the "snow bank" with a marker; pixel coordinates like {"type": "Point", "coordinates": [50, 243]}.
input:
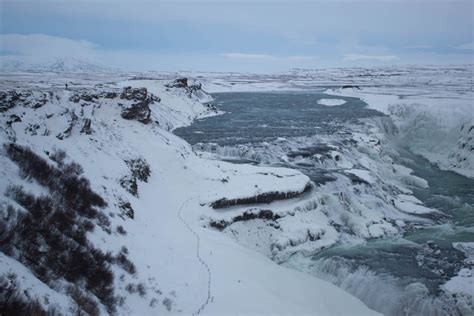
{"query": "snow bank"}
{"type": "Point", "coordinates": [331, 102]}
{"type": "Point", "coordinates": [439, 128]}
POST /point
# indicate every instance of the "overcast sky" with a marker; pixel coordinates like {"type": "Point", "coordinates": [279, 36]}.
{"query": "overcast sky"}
{"type": "Point", "coordinates": [225, 35]}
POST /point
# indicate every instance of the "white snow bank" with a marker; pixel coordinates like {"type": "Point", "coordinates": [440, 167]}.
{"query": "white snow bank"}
{"type": "Point", "coordinates": [438, 127]}
{"type": "Point", "coordinates": [331, 102]}
{"type": "Point", "coordinates": [462, 285]}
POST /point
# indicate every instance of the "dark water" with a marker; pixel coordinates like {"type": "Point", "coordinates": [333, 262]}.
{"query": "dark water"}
{"type": "Point", "coordinates": [397, 276]}
{"type": "Point", "coordinates": [258, 117]}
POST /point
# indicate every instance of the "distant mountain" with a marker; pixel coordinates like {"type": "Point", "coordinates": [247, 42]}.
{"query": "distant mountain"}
{"type": "Point", "coordinates": [63, 64]}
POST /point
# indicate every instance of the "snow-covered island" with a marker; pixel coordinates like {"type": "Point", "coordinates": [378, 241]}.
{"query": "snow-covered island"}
{"type": "Point", "coordinates": [104, 210]}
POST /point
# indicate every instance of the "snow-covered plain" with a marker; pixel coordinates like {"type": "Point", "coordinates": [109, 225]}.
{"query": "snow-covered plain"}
{"type": "Point", "coordinates": [183, 265]}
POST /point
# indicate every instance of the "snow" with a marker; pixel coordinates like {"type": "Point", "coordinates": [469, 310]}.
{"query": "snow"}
{"type": "Point", "coordinates": [408, 206]}
{"type": "Point", "coordinates": [436, 127]}
{"type": "Point", "coordinates": [185, 265]}
{"type": "Point", "coordinates": [462, 284]}
{"type": "Point", "coordinates": [331, 102]}
{"type": "Point", "coordinates": [363, 174]}
{"type": "Point", "coordinates": [194, 267]}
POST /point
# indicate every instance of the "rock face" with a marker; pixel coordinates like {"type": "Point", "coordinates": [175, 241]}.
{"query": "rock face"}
{"type": "Point", "coordinates": [139, 111]}
{"type": "Point", "coordinates": [184, 83]}
{"type": "Point", "coordinates": [258, 199]}
{"type": "Point", "coordinates": [138, 94]}
{"type": "Point", "coordinates": [262, 214]}
{"type": "Point", "coordinates": [86, 128]}
{"type": "Point", "coordinates": [178, 83]}
{"type": "Point", "coordinates": [10, 99]}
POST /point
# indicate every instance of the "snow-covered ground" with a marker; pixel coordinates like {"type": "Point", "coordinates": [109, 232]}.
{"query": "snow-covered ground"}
{"type": "Point", "coordinates": [185, 264]}
{"type": "Point", "coordinates": [182, 266]}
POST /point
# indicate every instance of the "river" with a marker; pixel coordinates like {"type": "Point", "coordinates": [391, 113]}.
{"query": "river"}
{"type": "Point", "coordinates": [399, 275]}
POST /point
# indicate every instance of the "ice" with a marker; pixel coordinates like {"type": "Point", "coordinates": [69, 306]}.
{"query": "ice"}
{"type": "Point", "coordinates": [331, 102]}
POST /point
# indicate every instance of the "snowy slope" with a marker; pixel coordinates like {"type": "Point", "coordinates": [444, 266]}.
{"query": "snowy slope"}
{"type": "Point", "coordinates": [9, 64]}
{"type": "Point", "coordinates": [182, 266]}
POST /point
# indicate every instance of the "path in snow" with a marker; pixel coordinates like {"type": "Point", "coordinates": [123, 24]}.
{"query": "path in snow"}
{"type": "Point", "coordinates": [200, 259]}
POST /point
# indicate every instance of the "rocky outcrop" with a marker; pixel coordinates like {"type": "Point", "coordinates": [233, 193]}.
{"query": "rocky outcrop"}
{"type": "Point", "coordinates": [178, 83]}
{"type": "Point", "coordinates": [12, 98]}
{"type": "Point", "coordinates": [184, 84]}
{"type": "Point", "coordinates": [92, 97]}
{"type": "Point", "coordinates": [139, 111]}
{"type": "Point", "coordinates": [246, 216]}
{"type": "Point", "coordinates": [137, 94]}
{"type": "Point", "coordinates": [86, 128]}
{"type": "Point", "coordinates": [267, 197]}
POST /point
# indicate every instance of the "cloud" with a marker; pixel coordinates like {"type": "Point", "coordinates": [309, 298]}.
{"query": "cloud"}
{"type": "Point", "coordinates": [418, 47]}
{"type": "Point", "coordinates": [361, 57]}
{"type": "Point", "coordinates": [269, 57]}
{"type": "Point", "coordinates": [248, 56]}
{"type": "Point", "coordinates": [469, 46]}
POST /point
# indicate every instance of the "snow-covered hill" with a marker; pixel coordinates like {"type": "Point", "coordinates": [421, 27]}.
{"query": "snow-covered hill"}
{"type": "Point", "coordinates": [104, 210]}
{"type": "Point", "coordinates": [9, 64]}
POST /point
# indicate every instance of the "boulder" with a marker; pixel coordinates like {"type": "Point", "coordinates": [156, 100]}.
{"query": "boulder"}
{"type": "Point", "coordinates": [139, 111]}
{"type": "Point", "coordinates": [137, 94]}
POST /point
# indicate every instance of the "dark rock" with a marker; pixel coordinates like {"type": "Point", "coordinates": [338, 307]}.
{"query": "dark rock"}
{"type": "Point", "coordinates": [12, 98]}
{"type": "Point", "coordinates": [184, 84]}
{"type": "Point", "coordinates": [139, 111]}
{"type": "Point", "coordinates": [110, 95]}
{"type": "Point", "coordinates": [351, 87]}
{"type": "Point", "coordinates": [246, 216]}
{"type": "Point", "coordinates": [260, 198]}
{"type": "Point", "coordinates": [178, 83]}
{"type": "Point", "coordinates": [13, 119]}
{"type": "Point", "coordinates": [72, 122]}
{"type": "Point", "coordinates": [87, 97]}
{"type": "Point", "coordinates": [306, 152]}
{"type": "Point", "coordinates": [137, 94]}
{"type": "Point", "coordinates": [86, 128]}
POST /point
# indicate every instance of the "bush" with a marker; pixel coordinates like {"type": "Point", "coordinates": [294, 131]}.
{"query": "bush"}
{"type": "Point", "coordinates": [84, 302]}
{"type": "Point", "coordinates": [129, 183]}
{"type": "Point", "coordinates": [122, 260]}
{"type": "Point", "coordinates": [51, 237]}
{"type": "Point", "coordinates": [127, 209]}
{"type": "Point", "coordinates": [140, 168]}
{"type": "Point", "coordinates": [13, 302]}
{"type": "Point", "coordinates": [121, 230]}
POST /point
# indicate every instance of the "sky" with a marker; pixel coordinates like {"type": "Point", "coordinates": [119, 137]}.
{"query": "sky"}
{"type": "Point", "coordinates": [239, 35]}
